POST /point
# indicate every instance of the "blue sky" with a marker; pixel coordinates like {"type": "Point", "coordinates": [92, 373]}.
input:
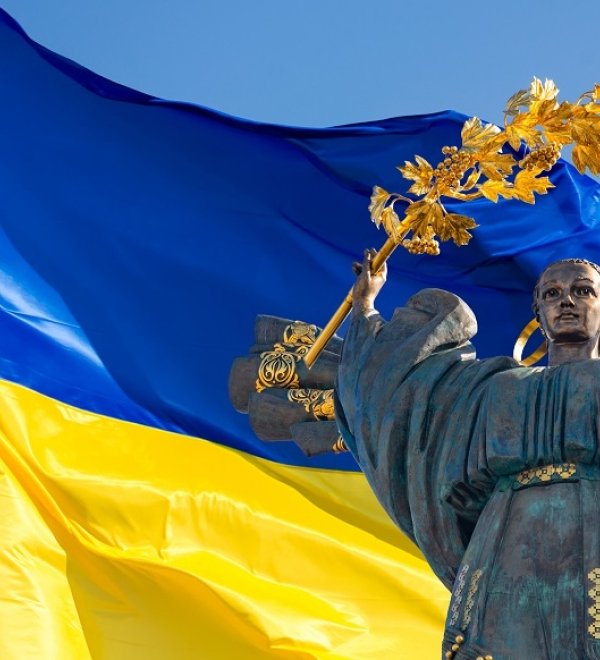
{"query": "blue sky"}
{"type": "Point", "coordinates": [325, 62]}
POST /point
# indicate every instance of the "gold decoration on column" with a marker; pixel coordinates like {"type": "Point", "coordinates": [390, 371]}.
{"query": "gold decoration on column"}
{"type": "Point", "coordinates": [339, 446]}
{"type": "Point", "coordinates": [277, 369]}
{"type": "Point", "coordinates": [317, 402]}
{"type": "Point", "coordinates": [300, 332]}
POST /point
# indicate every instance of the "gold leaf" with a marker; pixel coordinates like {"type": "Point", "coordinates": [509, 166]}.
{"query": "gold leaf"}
{"type": "Point", "coordinates": [565, 111]}
{"type": "Point", "coordinates": [561, 135]}
{"type": "Point", "coordinates": [594, 161]}
{"type": "Point", "coordinates": [423, 164]}
{"type": "Point", "coordinates": [592, 108]}
{"type": "Point", "coordinates": [420, 171]}
{"type": "Point", "coordinates": [557, 128]}
{"type": "Point", "coordinates": [513, 138]}
{"type": "Point", "coordinates": [462, 237]}
{"type": "Point", "coordinates": [577, 112]}
{"type": "Point", "coordinates": [580, 157]}
{"type": "Point", "coordinates": [390, 222]}
{"type": "Point", "coordinates": [542, 110]}
{"type": "Point", "coordinates": [523, 129]}
{"type": "Point", "coordinates": [596, 92]}
{"type": "Point", "coordinates": [586, 130]}
{"type": "Point", "coordinates": [497, 166]}
{"type": "Point", "coordinates": [476, 135]}
{"type": "Point", "coordinates": [493, 189]}
{"type": "Point", "coordinates": [527, 183]}
{"type": "Point", "coordinates": [535, 87]}
{"type": "Point", "coordinates": [421, 174]}
{"type": "Point", "coordinates": [421, 215]}
{"type": "Point", "coordinates": [379, 198]}
{"type": "Point", "coordinates": [418, 189]}
{"type": "Point", "coordinates": [586, 157]}
{"type": "Point", "coordinates": [546, 91]}
{"type": "Point", "coordinates": [454, 226]}
{"type": "Point", "coordinates": [516, 101]}
{"type": "Point", "coordinates": [472, 179]}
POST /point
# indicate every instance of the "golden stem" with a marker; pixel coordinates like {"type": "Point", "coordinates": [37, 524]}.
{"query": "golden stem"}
{"type": "Point", "coordinates": [465, 197]}
{"type": "Point", "coordinates": [344, 309]}
{"type": "Point", "coordinates": [403, 198]}
{"type": "Point", "coordinates": [585, 95]}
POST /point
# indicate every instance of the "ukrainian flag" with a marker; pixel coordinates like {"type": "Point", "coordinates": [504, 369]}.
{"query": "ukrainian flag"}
{"type": "Point", "coordinates": [140, 516]}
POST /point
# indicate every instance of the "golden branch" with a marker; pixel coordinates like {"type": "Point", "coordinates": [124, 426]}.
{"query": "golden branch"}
{"type": "Point", "coordinates": [482, 167]}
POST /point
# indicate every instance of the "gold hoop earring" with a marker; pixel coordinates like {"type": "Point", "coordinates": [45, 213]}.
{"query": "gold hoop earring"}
{"type": "Point", "coordinates": [521, 342]}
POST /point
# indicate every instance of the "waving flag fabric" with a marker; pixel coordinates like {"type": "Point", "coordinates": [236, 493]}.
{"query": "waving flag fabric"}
{"type": "Point", "coordinates": [141, 518]}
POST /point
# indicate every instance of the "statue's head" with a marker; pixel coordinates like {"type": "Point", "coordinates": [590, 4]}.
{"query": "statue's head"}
{"type": "Point", "coordinates": [566, 302]}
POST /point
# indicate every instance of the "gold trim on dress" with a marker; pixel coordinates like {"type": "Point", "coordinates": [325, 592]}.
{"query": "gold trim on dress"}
{"type": "Point", "coordinates": [470, 602]}
{"type": "Point", "coordinates": [594, 609]}
{"type": "Point", "coordinates": [460, 586]}
{"type": "Point", "coordinates": [458, 640]}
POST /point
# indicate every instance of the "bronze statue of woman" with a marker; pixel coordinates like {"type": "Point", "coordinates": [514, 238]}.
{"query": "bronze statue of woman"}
{"type": "Point", "coordinates": [493, 469]}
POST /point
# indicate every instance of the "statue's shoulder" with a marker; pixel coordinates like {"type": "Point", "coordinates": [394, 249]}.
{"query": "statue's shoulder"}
{"type": "Point", "coordinates": [439, 302]}
{"type": "Point", "coordinates": [433, 317]}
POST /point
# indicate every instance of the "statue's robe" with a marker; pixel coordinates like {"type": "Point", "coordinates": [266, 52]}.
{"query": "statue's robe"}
{"type": "Point", "coordinates": [491, 468]}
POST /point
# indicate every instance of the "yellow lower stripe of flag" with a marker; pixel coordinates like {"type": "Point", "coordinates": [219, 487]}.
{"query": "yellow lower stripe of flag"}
{"type": "Point", "coordinates": [120, 541]}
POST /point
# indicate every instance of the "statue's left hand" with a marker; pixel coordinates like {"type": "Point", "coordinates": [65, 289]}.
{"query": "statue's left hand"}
{"type": "Point", "coordinates": [368, 284]}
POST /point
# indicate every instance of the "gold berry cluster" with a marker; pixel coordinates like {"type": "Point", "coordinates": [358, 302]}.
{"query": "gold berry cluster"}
{"type": "Point", "coordinates": [542, 158]}
{"type": "Point", "coordinates": [418, 245]}
{"type": "Point", "coordinates": [452, 169]}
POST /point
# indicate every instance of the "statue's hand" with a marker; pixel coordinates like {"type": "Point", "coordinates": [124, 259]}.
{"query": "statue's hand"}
{"type": "Point", "coordinates": [368, 285]}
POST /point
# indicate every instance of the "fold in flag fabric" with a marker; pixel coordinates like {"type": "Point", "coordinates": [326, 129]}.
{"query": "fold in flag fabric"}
{"type": "Point", "coordinates": [141, 518]}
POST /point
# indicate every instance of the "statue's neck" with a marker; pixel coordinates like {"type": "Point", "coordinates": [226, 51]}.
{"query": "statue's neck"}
{"type": "Point", "coordinates": [572, 352]}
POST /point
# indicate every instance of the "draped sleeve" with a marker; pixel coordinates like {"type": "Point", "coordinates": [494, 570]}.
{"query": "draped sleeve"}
{"type": "Point", "coordinates": [411, 406]}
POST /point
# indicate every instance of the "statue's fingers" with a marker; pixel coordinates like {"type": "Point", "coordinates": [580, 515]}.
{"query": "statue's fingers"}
{"type": "Point", "coordinates": [366, 264]}
{"type": "Point", "coordinates": [357, 268]}
{"type": "Point", "coordinates": [372, 254]}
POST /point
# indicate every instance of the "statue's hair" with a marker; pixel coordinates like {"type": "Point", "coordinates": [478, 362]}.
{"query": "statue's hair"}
{"type": "Point", "coordinates": [535, 305]}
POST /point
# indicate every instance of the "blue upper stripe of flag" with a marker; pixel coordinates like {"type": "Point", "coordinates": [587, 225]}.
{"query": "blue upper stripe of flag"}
{"type": "Point", "coordinates": [140, 237]}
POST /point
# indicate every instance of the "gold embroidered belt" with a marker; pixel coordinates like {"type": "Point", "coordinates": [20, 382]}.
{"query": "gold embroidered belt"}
{"type": "Point", "coordinates": [546, 473]}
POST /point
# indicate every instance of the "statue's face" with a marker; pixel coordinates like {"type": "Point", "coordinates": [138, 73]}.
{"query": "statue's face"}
{"type": "Point", "coordinates": [569, 303]}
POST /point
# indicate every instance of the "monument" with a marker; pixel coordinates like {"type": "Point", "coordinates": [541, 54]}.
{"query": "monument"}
{"type": "Point", "coordinates": [490, 466]}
